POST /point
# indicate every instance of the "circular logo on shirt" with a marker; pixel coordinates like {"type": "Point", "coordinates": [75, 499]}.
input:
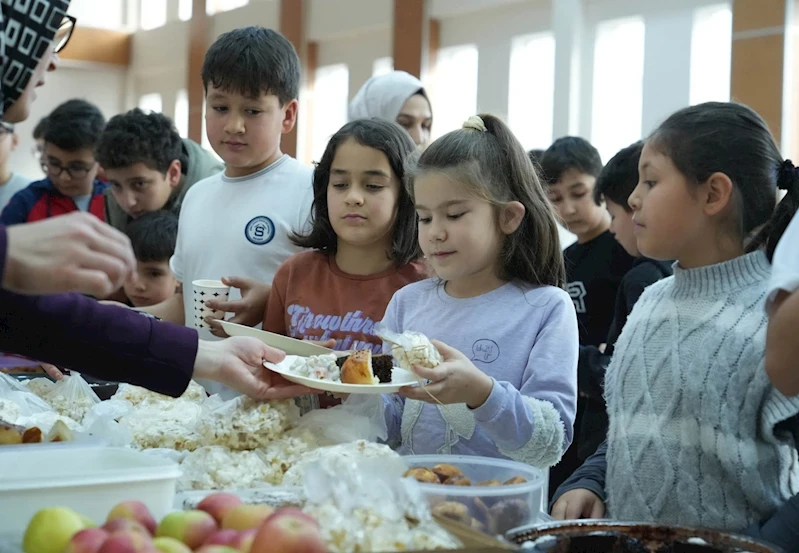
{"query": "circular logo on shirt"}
{"type": "Point", "coordinates": [260, 230]}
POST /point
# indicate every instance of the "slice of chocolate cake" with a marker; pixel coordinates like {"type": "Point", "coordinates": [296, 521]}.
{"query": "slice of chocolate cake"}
{"type": "Point", "coordinates": [382, 366]}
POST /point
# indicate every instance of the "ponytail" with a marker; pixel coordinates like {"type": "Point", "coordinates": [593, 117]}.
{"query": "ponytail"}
{"type": "Point", "coordinates": [771, 232]}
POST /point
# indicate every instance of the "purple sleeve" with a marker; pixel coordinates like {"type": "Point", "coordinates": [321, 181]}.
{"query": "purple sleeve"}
{"type": "Point", "coordinates": [393, 404]}
{"type": "Point", "coordinates": [535, 423]}
{"type": "Point", "coordinates": [104, 341]}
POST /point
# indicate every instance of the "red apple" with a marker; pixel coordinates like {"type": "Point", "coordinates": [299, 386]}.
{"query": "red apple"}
{"type": "Point", "coordinates": [218, 504]}
{"type": "Point", "coordinates": [243, 541]}
{"type": "Point", "coordinates": [190, 527]}
{"type": "Point", "coordinates": [134, 510]}
{"type": "Point", "coordinates": [125, 525]}
{"type": "Point", "coordinates": [222, 537]}
{"type": "Point", "coordinates": [245, 517]}
{"type": "Point", "coordinates": [126, 542]}
{"type": "Point", "coordinates": [87, 541]}
{"type": "Point", "coordinates": [289, 530]}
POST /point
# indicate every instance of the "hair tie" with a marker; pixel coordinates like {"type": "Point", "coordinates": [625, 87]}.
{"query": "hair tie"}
{"type": "Point", "coordinates": [786, 175]}
{"type": "Point", "coordinates": [476, 123]}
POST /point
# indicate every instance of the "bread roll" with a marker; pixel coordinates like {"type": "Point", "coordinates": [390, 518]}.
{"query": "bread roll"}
{"type": "Point", "coordinates": [357, 369]}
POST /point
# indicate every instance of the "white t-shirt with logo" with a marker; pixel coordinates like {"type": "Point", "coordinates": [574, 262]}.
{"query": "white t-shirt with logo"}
{"type": "Point", "coordinates": [240, 227]}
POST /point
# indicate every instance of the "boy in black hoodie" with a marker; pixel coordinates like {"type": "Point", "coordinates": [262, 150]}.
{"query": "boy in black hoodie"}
{"type": "Point", "coordinates": [614, 185]}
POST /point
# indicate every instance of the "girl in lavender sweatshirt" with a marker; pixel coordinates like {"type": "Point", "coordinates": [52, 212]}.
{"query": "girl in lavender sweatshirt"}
{"type": "Point", "coordinates": [497, 311]}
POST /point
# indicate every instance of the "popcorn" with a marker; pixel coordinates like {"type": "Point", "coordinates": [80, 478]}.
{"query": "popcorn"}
{"type": "Point", "coordinates": [245, 424]}
{"type": "Point", "coordinates": [9, 411]}
{"type": "Point", "coordinates": [410, 349]}
{"type": "Point", "coordinates": [360, 449]}
{"type": "Point", "coordinates": [218, 468]}
{"type": "Point", "coordinates": [40, 386]}
{"type": "Point", "coordinates": [136, 395]}
{"type": "Point", "coordinates": [170, 424]}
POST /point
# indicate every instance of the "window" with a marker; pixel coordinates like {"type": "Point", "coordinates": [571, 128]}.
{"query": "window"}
{"type": "Point", "coordinates": [151, 102]}
{"type": "Point", "coordinates": [182, 113]}
{"type": "Point", "coordinates": [618, 85]}
{"type": "Point", "coordinates": [531, 98]}
{"type": "Point", "coordinates": [382, 66]}
{"type": "Point", "coordinates": [331, 84]}
{"type": "Point", "coordinates": [152, 14]}
{"type": "Point", "coordinates": [185, 9]}
{"type": "Point", "coordinates": [455, 89]}
{"type": "Point", "coordinates": [106, 14]}
{"type": "Point", "coordinates": [216, 6]}
{"type": "Point", "coordinates": [711, 54]}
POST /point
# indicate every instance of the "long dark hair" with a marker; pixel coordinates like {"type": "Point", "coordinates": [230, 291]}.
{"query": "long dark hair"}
{"type": "Point", "coordinates": [723, 137]}
{"type": "Point", "coordinates": [391, 139]}
{"type": "Point", "coordinates": [495, 167]}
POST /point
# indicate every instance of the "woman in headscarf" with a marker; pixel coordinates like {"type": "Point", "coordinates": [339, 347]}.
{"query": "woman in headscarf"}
{"type": "Point", "coordinates": [79, 253]}
{"type": "Point", "coordinates": [397, 96]}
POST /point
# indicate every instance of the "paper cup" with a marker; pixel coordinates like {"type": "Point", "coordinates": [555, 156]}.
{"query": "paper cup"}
{"type": "Point", "coordinates": [202, 291]}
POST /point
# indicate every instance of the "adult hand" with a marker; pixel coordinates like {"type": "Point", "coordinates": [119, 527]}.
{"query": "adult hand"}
{"type": "Point", "coordinates": [238, 363]}
{"type": "Point", "coordinates": [249, 310]}
{"type": "Point", "coordinates": [456, 380]}
{"type": "Point", "coordinates": [68, 253]}
{"type": "Point", "coordinates": [577, 504]}
{"type": "Point", "coordinates": [52, 371]}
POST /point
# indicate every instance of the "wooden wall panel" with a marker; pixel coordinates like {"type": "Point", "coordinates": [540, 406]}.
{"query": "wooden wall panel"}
{"type": "Point", "coordinates": [199, 40]}
{"type": "Point", "coordinates": [91, 45]}
{"type": "Point", "coordinates": [292, 26]}
{"type": "Point", "coordinates": [408, 36]}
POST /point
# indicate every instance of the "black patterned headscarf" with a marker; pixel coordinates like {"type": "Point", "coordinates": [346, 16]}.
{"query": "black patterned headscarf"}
{"type": "Point", "coordinates": [28, 28]}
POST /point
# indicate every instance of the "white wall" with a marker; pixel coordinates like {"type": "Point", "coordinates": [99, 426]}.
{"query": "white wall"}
{"type": "Point", "coordinates": [103, 86]}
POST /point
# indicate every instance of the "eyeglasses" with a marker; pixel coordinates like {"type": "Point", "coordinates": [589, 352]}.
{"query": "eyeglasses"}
{"type": "Point", "coordinates": [64, 33]}
{"type": "Point", "coordinates": [74, 171]}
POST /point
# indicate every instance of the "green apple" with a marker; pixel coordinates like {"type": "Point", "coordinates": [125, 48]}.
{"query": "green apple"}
{"type": "Point", "coordinates": [50, 530]}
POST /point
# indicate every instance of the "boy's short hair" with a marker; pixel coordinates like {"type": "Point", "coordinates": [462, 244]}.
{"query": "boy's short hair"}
{"type": "Point", "coordinates": [253, 61]}
{"type": "Point", "coordinates": [74, 125]}
{"type": "Point", "coordinates": [570, 152]}
{"type": "Point", "coordinates": [38, 130]}
{"type": "Point", "coordinates": [153, 236]}
{"type": "Point", "coordinates": [619, 177]}
{"type": "Point", "coordinates": [139, 137]}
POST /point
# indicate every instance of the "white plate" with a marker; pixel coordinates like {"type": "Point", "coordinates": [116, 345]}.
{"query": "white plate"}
{"type": "Point", "coordinates": [400, 378]}
{"type": "Point", "coordinates": [291, 346]}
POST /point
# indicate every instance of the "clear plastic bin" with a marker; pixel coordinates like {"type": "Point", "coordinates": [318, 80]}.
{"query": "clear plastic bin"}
{"type": "Point", "coordinates": [492, 509]}
{"type": "Point", "coordinates": [89, 480]}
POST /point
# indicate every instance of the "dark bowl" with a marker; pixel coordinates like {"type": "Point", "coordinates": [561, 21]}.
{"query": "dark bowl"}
{"type": "Point", "coordinates": [590, 536]}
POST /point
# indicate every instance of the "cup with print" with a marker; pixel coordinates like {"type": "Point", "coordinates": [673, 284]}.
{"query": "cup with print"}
{"type": "Point", "coordinates": [202, 291]}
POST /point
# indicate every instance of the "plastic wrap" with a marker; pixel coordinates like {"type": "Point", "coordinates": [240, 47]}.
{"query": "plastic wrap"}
{"type": "Point", "coordinates": [353, 451]}
{"type": "Point", "coordinates": [217, 468]}
{"type": "Point", "coordinates": [359, 417]}
{"type": "Point", "coordinates": [366, 505]}
{"type": "Point", "coordinates": [26, 403]}
{"type": "Point", "coordinates": [137, 395]}
{"type": "Point", "coordinates": [101, 422]}
{"type": "Point", "coordinates": [410, 349]}
{"type": "Point", "coordinates": [165, 424]}
{"type": "Point", "coordinates": [72, 397]}
{"type": "Point", "coordinates": [40, 386]}
{"type": "Point", "coordinates": [245, 424]}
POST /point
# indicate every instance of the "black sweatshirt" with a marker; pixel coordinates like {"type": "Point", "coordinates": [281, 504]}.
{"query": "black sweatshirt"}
{"type": "Point", "coordinates": [592, 363]}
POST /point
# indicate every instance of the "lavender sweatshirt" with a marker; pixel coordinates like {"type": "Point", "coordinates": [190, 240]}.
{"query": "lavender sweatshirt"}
{"type": "Point", "coordinates": [525, 337]}
{"type": "Point", "coordinates": [107, 342]}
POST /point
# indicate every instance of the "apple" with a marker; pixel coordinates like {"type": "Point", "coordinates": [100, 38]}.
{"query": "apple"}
{"type": "Point", "coordinates": [125, 525]}
{"type": "Point", "coordinates": [243, 541]}
{"type": "Point", "coordinates": [50, 530]}
{"type": "Point", "coordinates": [216, 549]}
{"type": "Point", "coordinates": [134, 510]}
{"type": "Point", "coordinates": [222, 537]}
{"type": "Point", "coordinates": [245, 517]}
{"type": "Point", "coordinates": [127, 541]}
{"type": "Point", "coordinates": [291, 530]}
{"type": "Point", "coordinates": [190, 527]}
{"type": "Point", "coordinates": [170, 545]}
{"type": "Point", "coordinates": [87, 541]}
{"type": "Point", "coordinates": [218, 504]}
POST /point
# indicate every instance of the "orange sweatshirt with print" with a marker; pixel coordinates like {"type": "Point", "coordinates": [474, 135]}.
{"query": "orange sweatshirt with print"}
{"type": "Point", "coordinates": [313, 299]}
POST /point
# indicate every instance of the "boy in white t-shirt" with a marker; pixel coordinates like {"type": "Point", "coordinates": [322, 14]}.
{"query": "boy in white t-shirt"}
{"type": "Point", "coordinates": [239, 222]}
{"type": "Point", "coordinates": [782, 347]}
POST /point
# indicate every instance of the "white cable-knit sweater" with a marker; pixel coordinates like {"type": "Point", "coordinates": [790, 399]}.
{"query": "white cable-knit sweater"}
{"type": "Point", "coordinates": [692, 414]}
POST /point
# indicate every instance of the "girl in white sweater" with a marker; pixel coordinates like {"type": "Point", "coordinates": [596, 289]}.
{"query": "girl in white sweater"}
{"type": "Point", "coordinates": [695, 426]}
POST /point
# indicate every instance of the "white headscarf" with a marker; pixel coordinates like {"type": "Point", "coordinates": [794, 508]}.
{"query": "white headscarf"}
{"type": "Point", "coordinates": [383, 96]}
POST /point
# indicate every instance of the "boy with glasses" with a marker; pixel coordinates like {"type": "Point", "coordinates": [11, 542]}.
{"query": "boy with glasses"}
{"type": "Point", "coordinates": [73, 130]}
{"type": "Point", "coordinates": [10, 183]}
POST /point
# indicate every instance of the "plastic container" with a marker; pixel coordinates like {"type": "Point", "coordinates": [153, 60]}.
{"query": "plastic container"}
{"type": "Point", "coordinates": [90, 481]}
{"type": "Point", "coordinates": [492, 509]}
